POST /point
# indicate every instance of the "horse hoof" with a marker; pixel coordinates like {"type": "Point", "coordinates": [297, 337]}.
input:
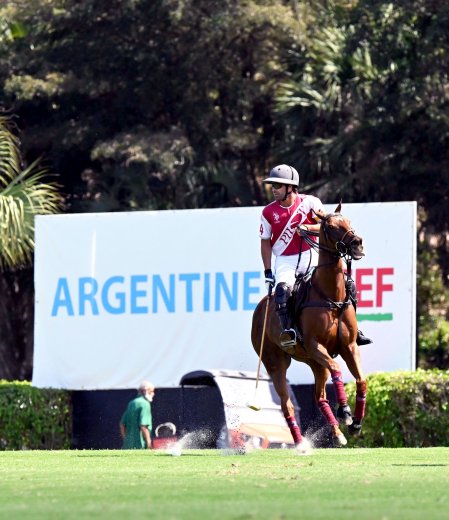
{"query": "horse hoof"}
{"type": "Point", "coordinates": [355, 428]}
{"type": "Point", "coordinates": [339, 441]}
{"type": "Point", "coordinates": [344, 415]}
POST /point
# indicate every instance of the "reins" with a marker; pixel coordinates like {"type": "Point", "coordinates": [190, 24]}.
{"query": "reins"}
{"type": "Point", "coordinates": [343, 248]}
{"type": "Point", "coordinates": [341, 251]}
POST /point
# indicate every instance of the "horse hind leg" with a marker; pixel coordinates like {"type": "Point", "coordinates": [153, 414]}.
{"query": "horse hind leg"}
{"type": "Point", "coordinates": [359, 412]}
{"type": "Point", "coordinates": [278, 375]}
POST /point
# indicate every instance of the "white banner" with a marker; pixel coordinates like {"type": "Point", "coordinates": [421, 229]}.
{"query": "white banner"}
{"type": "Point", "coordinates": [122, 297]}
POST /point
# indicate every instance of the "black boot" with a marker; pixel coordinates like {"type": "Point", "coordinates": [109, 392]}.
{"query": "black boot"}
{"type": "Point", "coordinates": [362, 339]}
{"type": "Point", "coordinates": [287, 337]}
{"type": "Point", "coordinates": [352, 292]}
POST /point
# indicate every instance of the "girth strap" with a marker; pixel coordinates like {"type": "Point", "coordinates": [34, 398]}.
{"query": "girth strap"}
{"type": "Point", "coordinates": [329, 304]}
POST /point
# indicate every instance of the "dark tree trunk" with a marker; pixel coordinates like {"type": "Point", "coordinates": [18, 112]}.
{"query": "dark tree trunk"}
{"type": "Point", "coordinates": [16, 324]}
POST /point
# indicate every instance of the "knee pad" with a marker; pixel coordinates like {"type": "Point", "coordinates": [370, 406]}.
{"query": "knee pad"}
{"type": "Point", "coordinates": [282, 292]}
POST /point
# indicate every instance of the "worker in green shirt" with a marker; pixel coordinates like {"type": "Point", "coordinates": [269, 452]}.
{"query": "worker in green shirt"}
{"type": "Point", "coordinates": [137, 422]}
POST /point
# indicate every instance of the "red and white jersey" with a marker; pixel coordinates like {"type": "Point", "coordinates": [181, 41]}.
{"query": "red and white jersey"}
{"type": "Point", "coordinates": [279, 224]}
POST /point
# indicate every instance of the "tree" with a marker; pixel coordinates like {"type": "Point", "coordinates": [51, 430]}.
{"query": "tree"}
{"type": "Point", "coordinates": [24, 193]}
{"type": "Point", "coordinates": [140, 103]}
{"type": "Point", "coordinates": [366, 109]}
{"type": "Point", "coordinates": [367, 116]}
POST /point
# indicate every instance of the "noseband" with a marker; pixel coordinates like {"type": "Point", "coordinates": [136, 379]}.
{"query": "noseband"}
{"type": "Point", "coordinates": [343, 247]}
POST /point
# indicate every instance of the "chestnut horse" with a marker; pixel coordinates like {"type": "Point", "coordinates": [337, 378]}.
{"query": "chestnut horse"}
{"type": "Point", "coordinates": [325, 317]}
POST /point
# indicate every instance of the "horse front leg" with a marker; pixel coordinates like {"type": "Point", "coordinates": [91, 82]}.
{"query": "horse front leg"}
{"type": "Point", "coordinates": [321, 375]}
{"type": "Point", "coordinates": [320, 355]}
{"type": "Point", "coordinates": [351, 356]}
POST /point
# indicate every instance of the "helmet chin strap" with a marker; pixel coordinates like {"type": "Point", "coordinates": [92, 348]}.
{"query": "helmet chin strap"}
{"type": "Point", "coordinates": [287, 193]}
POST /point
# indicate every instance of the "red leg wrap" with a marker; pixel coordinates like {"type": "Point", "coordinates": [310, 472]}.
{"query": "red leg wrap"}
{"type": "Point", "coordinates": [325, 409]}
{"type": "Point", "coordinates": [294, 429]}
{"type": "Point", "coordinates": [339, 387]}
{"type": "Point", "coordinates": [360, 401]}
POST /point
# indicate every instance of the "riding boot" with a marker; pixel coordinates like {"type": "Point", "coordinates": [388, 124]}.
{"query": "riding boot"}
{"type": "Point", "coordinates": [352, 291]}
{"type": "Point", "coordinates": [362, 339]}
{"type": "Point", "coordinates": [287, 337]}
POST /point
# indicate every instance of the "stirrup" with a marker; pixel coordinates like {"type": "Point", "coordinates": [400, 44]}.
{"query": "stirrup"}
{"type": "Point", "coordinates": [362, 339]}
{"type": "Point", "coordinates": [287, 338]}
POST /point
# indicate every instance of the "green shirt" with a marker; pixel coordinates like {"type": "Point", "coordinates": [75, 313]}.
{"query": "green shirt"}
{"type": "Point", "coordinates": [137, 414]}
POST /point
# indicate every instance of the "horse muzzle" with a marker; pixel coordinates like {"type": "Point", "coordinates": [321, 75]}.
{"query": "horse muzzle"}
{"type": "Point", "coordinates": [357, 251]}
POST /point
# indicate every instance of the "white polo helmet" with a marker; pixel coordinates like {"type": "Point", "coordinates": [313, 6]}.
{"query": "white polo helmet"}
{"type": "Point", "coordinates": [283, 174]}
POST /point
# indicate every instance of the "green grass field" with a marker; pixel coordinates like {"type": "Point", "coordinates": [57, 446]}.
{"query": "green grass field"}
{"type": "Point", "coordinates": [328, 484]}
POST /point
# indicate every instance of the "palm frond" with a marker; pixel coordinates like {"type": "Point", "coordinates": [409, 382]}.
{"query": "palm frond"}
{"type": "Point", "coordinates": [23, 195]}
{"type": "Point", "coordinates": [9, 152]}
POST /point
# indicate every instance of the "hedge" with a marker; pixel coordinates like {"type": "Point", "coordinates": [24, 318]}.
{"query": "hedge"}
{"type": "Point", "coordinates": [405, 409]}
{"type": "Point", "coordinates": [34, 418]}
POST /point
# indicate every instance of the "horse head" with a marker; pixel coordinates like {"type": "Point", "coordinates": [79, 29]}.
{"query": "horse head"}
{"type": "Point", "coordinates": [338, 237]}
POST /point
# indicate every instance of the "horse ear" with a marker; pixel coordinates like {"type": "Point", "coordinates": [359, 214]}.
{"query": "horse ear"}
{"type": "Point", "coordinates": [338, 208]}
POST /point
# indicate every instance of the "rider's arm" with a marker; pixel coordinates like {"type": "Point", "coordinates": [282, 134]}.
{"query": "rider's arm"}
{"type": "Point", "coordinates": [265, 249]}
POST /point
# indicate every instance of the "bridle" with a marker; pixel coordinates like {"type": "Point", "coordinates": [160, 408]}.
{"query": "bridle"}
{"type": "Point", "coordinates": [343, 249]}
{"type": "Point", "coordinates": [343, 246]}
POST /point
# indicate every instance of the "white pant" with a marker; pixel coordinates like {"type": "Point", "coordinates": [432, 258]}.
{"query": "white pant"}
{"type": "Point", "coordinates": [286, 268]}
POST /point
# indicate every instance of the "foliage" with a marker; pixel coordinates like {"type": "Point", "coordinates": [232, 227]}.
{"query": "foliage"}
{"type": "Point", "coordinates": [33, 418]}
{"type": "Point", "coordinates": [16, 324]}
{"type": "Point", "coordinates": [365, 107]}
{"type": "Point", "coordinates": [139, 105]}
{"type": "Point", "coordinates": [405, 409]}
{"type": "Point", "coordinates": [25, 191]}
{"type": "Point", "coordinates": [432, 293]}
{"type": "Point", "coordinates": [145, 102]}
{"type": "Point", "coordinates": [187, 103]}
{"type": "Point", "coordinates": [434, 346]}
{"type": "Point", "coordinates": [23, 194]}
{"type": "Point", "coordinates": [432, 301]}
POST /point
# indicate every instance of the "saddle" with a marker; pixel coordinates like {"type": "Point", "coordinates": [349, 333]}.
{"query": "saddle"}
{"type": "Point", "coordinates": [300, 298]}
{"type": "Point", "coordinates": [300, 292]}
{"type": "Point", "coordinates": [295, 304]}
